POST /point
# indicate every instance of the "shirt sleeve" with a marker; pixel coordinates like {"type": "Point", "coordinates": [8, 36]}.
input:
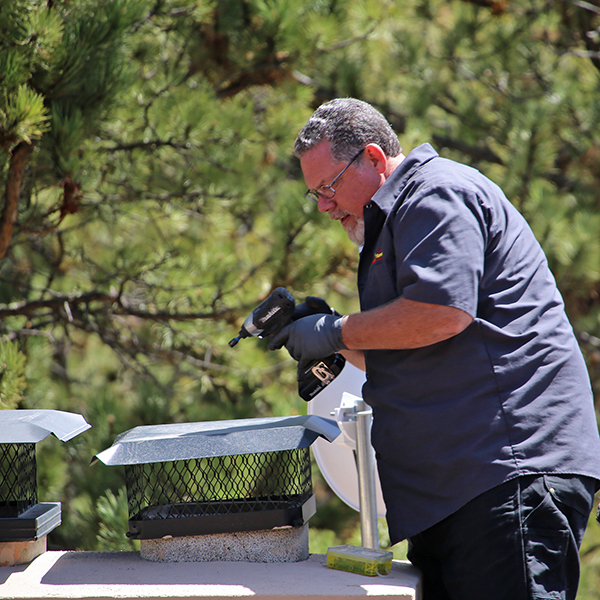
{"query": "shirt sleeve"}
{"type": "Point", "coordinates": [440, 239]}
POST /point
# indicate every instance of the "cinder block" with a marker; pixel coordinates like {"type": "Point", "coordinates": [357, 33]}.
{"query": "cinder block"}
{"type": "Point", "coordinates": [287, 544]}
{"type": "Point", "coordinates": [21, 553]}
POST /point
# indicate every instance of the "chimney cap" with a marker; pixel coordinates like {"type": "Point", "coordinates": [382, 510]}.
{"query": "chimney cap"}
{"type": "Point", "coordinates": [187, 441]}
{"type": "Point", "coordinates": [24, 426]}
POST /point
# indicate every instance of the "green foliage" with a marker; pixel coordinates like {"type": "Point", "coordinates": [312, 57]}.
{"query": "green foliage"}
{"type": "Point", "coordinates": [28, 36]}
{"type": "Point", "coordinates": [162, 202]}
{"type": "Point", "coordinates": [12, 375]}
{"type": "Point", "coordinates": [589, 587]}
{"type": "Point", "coordinates": [113, 515]}
{"type": "Point", "coordinates": [25, 116]}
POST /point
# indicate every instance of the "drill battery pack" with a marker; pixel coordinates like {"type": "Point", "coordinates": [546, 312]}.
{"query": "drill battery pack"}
{"type": "Point", "coordinates": [318, 375]}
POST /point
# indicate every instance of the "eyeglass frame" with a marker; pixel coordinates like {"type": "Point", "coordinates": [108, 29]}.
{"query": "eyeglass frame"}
{"type": "Point", "coordinates": [314, 195]}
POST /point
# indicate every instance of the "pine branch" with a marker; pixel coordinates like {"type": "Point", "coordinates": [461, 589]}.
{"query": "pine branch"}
{"type": "Point", "coordinates": [586, 6]}
{"type": "Point", "coordinates": [69, 304]}
{"type": "Point", "coordinates": [497, 7]}
{"type": "Point", "coordinates": [476, 152]}
{"type": "Point", "coordinates": [28, 308]}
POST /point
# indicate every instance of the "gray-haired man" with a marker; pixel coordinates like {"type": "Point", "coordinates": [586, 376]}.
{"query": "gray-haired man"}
{"type": "Point", "coordinates": [484, 427]}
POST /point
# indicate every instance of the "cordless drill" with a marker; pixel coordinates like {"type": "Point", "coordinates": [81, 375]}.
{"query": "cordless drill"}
{"type": "Point", "coordinates": [270, 317]}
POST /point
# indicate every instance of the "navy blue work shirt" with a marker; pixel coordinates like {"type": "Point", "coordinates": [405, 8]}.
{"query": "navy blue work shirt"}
{"type": "Point", "coordinates": [508, 396]}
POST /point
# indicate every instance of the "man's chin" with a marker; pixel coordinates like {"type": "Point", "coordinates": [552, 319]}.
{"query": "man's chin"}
{"type": "Point", "coordinates": [356, 232]}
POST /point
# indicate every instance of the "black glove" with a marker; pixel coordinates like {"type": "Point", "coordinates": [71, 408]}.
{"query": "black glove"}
{"type": "Point", "coordinates": [315, 336]}
{"type": "Point", "coordinates": [313, 306]}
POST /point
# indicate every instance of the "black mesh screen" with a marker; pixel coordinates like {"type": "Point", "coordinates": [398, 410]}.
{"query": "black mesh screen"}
{"type": "Point", "coordinates": [18, 479]}
{"type": "Point", "coordinates": [219, 485]}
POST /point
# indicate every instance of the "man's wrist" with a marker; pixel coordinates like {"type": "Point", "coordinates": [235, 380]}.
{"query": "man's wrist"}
{"type": "Point", "coordinates": [344, 326]}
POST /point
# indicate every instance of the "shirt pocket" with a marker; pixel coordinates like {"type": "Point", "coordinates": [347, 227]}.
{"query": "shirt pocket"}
{"type": "Point", "coordinates": [379, 287]}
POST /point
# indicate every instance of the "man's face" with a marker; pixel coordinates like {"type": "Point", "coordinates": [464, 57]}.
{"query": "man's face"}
{"type": "Point", "coordinates": [353, 189]}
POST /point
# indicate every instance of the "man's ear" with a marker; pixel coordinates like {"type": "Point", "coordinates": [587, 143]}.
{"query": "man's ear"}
{"type": "Point", "coordinates": [376, 157]}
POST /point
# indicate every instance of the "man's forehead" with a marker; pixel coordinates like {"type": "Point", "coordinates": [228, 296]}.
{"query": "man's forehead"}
{"type": "Point", "coordinates": [317, 164]}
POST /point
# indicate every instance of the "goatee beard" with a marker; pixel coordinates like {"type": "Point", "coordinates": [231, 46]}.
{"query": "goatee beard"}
{"type": "Point", "coordinates": [356, 234]}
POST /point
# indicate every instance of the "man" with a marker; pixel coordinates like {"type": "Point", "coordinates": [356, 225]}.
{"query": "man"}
{"type": "Point", "coordinates": [483, 421]}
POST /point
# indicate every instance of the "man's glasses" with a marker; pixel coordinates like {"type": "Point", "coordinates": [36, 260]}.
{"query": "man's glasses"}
{"type": "Point", "coordinates": [327, 191]}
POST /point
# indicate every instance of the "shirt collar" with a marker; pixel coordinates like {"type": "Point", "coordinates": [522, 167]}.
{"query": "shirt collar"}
{"type": "Point", "coordinates": [387, 194]}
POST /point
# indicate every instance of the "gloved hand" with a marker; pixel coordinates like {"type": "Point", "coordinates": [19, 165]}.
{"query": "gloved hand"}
{"type": "Point", "coordinates": [313, 305]}
{"type": "Point", "coordinates": [306, 339]}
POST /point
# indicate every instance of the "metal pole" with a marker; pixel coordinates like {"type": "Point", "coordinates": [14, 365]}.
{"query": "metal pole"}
{"type": "Point", "coordinates": [365, 459]}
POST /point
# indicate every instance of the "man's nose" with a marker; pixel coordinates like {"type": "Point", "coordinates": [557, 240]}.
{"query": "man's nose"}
{"type": "Point", "coordinates": [325, 204]}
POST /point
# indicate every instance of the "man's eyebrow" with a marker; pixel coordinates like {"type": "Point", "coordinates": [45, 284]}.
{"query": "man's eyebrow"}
{"type": "Point", "coordinates": [320, 185]}
{"type": "Point", "coordinates": [324, 182]}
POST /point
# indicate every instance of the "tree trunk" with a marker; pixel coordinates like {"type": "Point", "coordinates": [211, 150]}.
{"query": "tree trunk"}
{"type": "Point", "coordinates": [19, 157]}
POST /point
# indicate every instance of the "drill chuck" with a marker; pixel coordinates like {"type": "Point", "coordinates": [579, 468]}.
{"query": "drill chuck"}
{"type": "Point", "coordinates": [269, 317]}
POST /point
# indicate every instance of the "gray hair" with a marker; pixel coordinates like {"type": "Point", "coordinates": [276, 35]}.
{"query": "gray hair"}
{"type": "Point", "coordinates": [348, 125]}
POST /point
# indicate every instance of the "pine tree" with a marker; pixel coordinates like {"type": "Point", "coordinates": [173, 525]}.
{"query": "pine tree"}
{"type": "Point", "coordinates": [150, 199]}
